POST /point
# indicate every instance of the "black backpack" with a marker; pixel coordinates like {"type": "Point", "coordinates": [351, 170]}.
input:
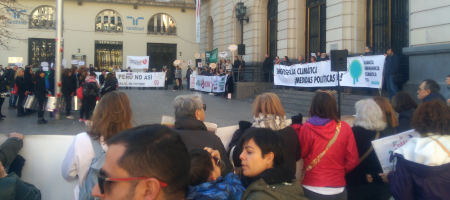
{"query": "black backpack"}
{"type": "Point", "coordinates": [90, 89]}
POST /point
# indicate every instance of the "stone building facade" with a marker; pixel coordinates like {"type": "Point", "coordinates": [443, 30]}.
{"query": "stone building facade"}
{"type": "Point", "coordinates": [416, 30]}
{"type": "Point", "coordinates": [103, 33]}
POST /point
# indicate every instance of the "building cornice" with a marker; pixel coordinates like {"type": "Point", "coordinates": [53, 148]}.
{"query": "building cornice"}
{"type": "Point", "coordinates": [187, 4]}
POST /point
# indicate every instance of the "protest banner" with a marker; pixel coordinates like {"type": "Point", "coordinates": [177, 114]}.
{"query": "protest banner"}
{"type": "Point", "coordinates": [192, 81]}
{"type": "Point", "coordinates": [203, 83]}
{"type": "Point", "coordinates": [137, 62]}
{"type": "Point", "coordinates": [385, 147]}
{"type": "Point", "coordinates": [209, 83]}
{"type": "Point", "coordinates": [219, 83]}
{"type": "Point", "coordinates": [362, 71]}
{"type": "Point", "coordinates": [139, 79]}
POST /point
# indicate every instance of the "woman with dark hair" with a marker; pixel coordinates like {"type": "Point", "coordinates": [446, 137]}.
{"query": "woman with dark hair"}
{"type": "Point", "coordinates": [404, 105]}
{"type": "Point", "coordinates": [91, 91]}
{"type": "Point", "coordinates": [422, 169]}
{"type": "Point", "coordinates": [110, 84]}
{"type": "Point", "coordinates": [262, 160]}
{"type": "Point", "coordinates": [106, 123]}
{"type": "Point", "coordinates": [390, 116]}
{"type": "Point", "coordinates": [328, 150]}
{"type": "Point", "coordinates": [363, 182]}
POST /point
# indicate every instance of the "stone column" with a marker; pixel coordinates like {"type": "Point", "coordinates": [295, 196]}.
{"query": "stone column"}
{"type": "Point", "coordinates": [346, 25]}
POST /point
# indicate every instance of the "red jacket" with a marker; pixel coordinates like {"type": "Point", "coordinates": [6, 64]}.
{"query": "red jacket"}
{"type": "Point", "coordinates": [340, 158]}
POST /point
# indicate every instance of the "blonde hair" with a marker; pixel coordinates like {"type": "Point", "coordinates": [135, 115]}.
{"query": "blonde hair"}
{"type": "Point", "coordinates": [389, 113]}
{"type": "Point", "coordinates": [268, 103]}
{"type": "Point", "coordinates": [112, 115]}
{"type": "Point", "coordinates": [16, 74]}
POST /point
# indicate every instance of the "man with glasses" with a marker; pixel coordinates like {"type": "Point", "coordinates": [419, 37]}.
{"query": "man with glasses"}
{"type": "Point", "coordinates": [428, 91]}
{"type": "Point", "coordinates": [146, 162]}
{"type": "Point", "coordinates": [189, 117]}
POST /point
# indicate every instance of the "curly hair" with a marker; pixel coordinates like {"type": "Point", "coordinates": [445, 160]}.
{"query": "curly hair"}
{"type": "Point", "coordinates": [432, 117]}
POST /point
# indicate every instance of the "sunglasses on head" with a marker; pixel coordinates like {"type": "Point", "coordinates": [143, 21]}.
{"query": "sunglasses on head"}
{"type": "Point", "coordinates": [217, 161]}
{"type": "Point", "coordinates": [104, 182]}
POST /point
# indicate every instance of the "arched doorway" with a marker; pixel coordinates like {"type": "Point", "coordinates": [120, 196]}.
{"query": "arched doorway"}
{"type": "Point", "coordinates": [272, 27]}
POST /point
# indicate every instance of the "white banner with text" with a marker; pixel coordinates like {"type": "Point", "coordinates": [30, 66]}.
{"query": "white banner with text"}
{"type": "Point", "coordinates": [385, 147]}
{"type": "Point", "coordinates": [139, 79]}
{"type": "Point", "coordinates": [209, 83]}
{"type": "Point", "coordinates": [362, 71]}
{"type": "Point", "coordinates": [138, 62]}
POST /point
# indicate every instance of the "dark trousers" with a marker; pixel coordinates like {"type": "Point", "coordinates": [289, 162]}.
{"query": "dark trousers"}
{"type": "Point", "coordinates": [68, 100]}
{"type": "Point", "coordinates": [20, 102]}
{"type": "Point", "coordinates": [88, 106]}
{"type": "Point", "coordinates": [1, 104]}
{"type": "Point", "coordinates": [41, 103]}
{"type": "Point", "coordinates": [373, 191]}
{"type": "Point", "coordinates": [316, 196]}
{"type": "Point", "coordinates": [188, 83]}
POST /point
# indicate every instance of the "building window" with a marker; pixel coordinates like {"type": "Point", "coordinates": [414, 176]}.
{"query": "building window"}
{"type": "Point", "coordinates": [316, 26]}
{"type": "Point", "coordinates": [41, 50]}
{"type": "Point", "coordinates": [387, 25]}
{"type": "Point", "coordinates": [108, 54]}
{"type": "Point", "coordinates": [272, 27]}
{"type": "Point", "coordinates": [108, 21]}
{"type": "Point", "coordinates": [162, 24]}
{"type": "Point", "coordinates": [43, 17]}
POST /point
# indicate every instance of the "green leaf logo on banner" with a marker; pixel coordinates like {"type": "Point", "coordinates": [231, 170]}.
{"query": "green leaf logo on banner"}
{"type": "Point", "coordinates": [355, 70]}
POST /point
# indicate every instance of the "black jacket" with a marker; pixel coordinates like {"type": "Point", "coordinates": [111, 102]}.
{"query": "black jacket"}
{"type": "Point", "coordinates": [20, 82]}
{"type": "Point", "coordinates": [28, 78]}
{"type": "Point", "coordinates": [392, 69]}
{"type": "Point", "coordinates": [433, 96]}
{"type": "Point", "coordinates": [188, 73]}
{"type": "Point", "coordinates": [51, 81]}
{"type": "Point", "coordinates": [3, 83]}
{"type": "Point", "coordinates": [267, 65]}
{"type": "Point", "coordinates": [404, 120]}
{"type": "Point", "coordinates": [101, 79]}
{"type": "Point", "coordinates": [40, 90]}
{"type": "Point", "coordinates": [69, 84]}
{"type": "Point", "coordinates": [9, 73]}
{"type": "Point", "coordinates": [370, 165]}
{"type": "Point", "coordinates": [195, 136]}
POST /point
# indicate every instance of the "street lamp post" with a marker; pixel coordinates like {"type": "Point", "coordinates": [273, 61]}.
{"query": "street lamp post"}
{"type": "Point", "coordinates": [241, 12]}
{"type": "Point", "coordinates": [59, 39]}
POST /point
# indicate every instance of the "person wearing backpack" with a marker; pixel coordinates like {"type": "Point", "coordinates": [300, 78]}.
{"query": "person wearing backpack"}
{"type": "Point", "coordinates": [91, 90]}
{"type": "Point", "coordinates": [87, 151]}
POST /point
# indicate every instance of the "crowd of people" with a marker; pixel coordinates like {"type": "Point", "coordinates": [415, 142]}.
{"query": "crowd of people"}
{"type": "Point", "coordinates": [28, 89]}
{"type": "Point", "coordinates": [113, 160]}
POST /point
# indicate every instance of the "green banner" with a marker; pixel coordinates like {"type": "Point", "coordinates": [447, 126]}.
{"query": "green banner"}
{"type": "Point", "coordinates": [213, 56]}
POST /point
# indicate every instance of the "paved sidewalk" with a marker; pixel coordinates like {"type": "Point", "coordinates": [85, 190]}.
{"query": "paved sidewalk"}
{"type": "Point", "coordinates": [148, 106]}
